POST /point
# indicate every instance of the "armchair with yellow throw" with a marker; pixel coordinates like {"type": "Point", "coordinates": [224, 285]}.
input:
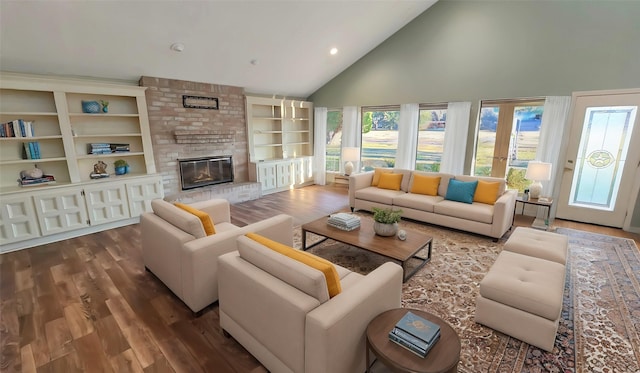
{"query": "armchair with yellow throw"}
{"type": "Point", "coordinates": [181, 245]}
{"type": "Point", "coordinates": [296, 312]}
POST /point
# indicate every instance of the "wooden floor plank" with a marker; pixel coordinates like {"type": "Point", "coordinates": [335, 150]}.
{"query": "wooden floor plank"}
{"type": "Point", "coordinates": [94, 290]}
{"type": "Point", "coordinates": [28, 363]}
{"type": "Point", "coordinates": [92, 354]}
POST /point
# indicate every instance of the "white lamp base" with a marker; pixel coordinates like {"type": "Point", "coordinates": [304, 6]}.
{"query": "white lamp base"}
{"type": "Point", "coordinates": [348, 168]}
{"type": "Point", "coordinates": [535, 189]}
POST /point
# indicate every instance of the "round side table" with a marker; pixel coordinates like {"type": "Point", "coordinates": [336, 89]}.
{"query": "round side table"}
{"type": "Point", "coordinates": [443, 357]}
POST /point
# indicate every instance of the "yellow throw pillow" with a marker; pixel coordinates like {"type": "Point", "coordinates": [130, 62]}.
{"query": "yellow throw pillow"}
{"type": "Point", "coordinates": [323, 265]}
{"type": "Point", "coordinates": [376, 175]}
{"type": "Point", "coordinates": [206, 220]}
{"type": "Point", "coordinates": [423, 184]}
{"type": "Point", "coordinates": [486, 192]}
{"type": "Point", "coordinates": [390, 181]}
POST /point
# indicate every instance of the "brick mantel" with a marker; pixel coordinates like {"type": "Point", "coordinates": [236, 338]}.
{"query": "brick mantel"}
{"type": "Point", "coordinates": [179, 132]}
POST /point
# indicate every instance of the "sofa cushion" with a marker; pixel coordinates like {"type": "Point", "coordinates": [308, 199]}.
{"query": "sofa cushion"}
{"type": "Point", "coordinates": [375, 194]}
{"type": "Point", "coordinates": [444, 180]}
{"type": "Point", "coordinates": [486, 192]}
{"type": "Point", "coordinates": [420, 202]}
{"type": "Point", "coordinates": [376, 174]}
{"type": "Point", "coordinates": [181, 219]}
{"type": "Point", "coordinates": [313, 261]}
{"type": "Point", "coordinates": [298, 275]}
{"type": "Point", "coordinates": [479, 212]}
{"type": "Point", "coordinates": [423, 184]}
{"type": "Point", "coordinates": [503, 183]}
{"type": "Point", "coordinates": [461, 191]}
{"type": "Point", "coordinates": [390, 181]}
{"type": "Point", "coordinates": [205, 219]}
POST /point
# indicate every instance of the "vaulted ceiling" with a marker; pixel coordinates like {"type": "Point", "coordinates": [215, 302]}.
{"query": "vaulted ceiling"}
{"type": "Point", "coordinates": [268, 47]}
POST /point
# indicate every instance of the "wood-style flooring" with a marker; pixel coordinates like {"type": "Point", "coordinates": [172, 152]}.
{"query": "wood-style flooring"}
{"type": "Point", "coordinates": [87, 304]}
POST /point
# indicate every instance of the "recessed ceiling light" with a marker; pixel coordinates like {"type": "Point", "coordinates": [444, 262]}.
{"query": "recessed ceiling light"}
{"type": "Point", "coordinates": [177, 47]}
{"type": "Point", "coordinates": [333, 51]}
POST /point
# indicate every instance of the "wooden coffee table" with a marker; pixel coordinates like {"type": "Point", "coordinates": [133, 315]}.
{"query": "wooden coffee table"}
{"type": "Point", "coordinates": [366, 239]}
{"type": "Point", "coordinates": [443, 357]}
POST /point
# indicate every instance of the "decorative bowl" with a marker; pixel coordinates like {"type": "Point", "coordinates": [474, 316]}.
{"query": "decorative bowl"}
{"type": "Point", "coordinates": [90, 107]}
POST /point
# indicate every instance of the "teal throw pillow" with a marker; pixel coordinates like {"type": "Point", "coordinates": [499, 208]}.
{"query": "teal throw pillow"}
{"type": "Point", "coordinates": [461, 191]}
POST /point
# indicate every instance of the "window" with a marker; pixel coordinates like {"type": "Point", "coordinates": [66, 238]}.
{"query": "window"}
{"type": "Point", "coordinates": [507, 139]}
{"type": "Point", "coordinates": [333, 139]}
{"type": "Point", "coordinates": [379, 136]}
{"type": "Point", "coordinates": [431, 126]}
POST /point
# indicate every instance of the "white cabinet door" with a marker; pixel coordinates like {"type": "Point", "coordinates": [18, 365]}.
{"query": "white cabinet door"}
{"type": "Point", "coordinates": [61, 211]}
{"type": "Point", "coordinates": [267, 176]}
{"type": "Point", "coordinates": [141, 193]}
{"type": "Point", "coordinates": [106, 202]}
{"type": "Point", "coordinates": [18, 219]}
{"type": "Point", "coordinates": [303, 170]}
{"type": "Point", "coordinates": [283, 172]}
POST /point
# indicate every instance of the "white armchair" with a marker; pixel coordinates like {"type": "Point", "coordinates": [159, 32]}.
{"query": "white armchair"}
{"type": "Point", "coordinates": [279, 309]}
{"type": "Point", "coordinates": [177, 251]}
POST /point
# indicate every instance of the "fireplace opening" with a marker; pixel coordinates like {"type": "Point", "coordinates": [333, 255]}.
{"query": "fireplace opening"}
{"type": "Point", "coordinates": [200, 172]}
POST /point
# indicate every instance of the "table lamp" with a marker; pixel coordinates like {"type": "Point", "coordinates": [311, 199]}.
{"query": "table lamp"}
{"type": "Point", "coordinates": [349, 155]}
{"type": "Point", "coordinates": [537, 172]}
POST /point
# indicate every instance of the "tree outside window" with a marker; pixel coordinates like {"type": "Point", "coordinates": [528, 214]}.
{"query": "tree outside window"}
{"type": "Point", "coordinates": [333, 140]}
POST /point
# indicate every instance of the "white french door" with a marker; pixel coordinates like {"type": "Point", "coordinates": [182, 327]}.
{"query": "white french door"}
{"type": "Point", "coordinates": [603, 154]}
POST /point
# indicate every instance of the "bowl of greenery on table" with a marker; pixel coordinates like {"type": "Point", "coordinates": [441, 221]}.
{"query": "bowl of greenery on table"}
{"type": "Point", "coordinates": [386, 221]}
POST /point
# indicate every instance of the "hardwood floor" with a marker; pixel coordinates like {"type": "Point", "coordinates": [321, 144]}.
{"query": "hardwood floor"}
{"type": "Point", "coordinates": [87, 304]}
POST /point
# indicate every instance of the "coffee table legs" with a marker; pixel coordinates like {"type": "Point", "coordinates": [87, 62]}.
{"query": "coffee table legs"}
{"type": "Point", "coordinates": [304, 241]}
{"type": "Point", "coordinates": [406, 275]}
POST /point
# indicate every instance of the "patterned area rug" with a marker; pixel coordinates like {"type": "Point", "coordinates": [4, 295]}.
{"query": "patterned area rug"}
{"type": "Point", "coordinates": [600, 326]}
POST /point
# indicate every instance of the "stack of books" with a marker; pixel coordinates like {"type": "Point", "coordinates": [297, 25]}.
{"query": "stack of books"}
{"type": "Point", "coordinates": [119, 148]}
{"type": "Point", "coordinates": [36, 181]}
{"type": "Point", "coordinates": [415, 333]}
{"type": "Point", "coordinates": [344, 221]}
{"type": "Point", "coordinates": [99, 148]}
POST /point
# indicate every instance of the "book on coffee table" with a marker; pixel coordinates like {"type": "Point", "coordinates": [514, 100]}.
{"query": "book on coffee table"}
{"type": "Point", "coordinates": [415, 334]}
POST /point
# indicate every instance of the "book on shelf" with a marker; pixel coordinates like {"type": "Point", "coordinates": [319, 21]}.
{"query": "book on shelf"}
{"type": "Point", "coordinates": [31, 150]}
{"type": "Point", "coordinates": [418, 327]}
{"type": "Point", "coordinates": [117, 148]}
{"type": "Point", "coordinates": [45, 179]}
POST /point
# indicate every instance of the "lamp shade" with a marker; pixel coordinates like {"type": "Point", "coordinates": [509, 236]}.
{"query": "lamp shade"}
{"type": "Point", "coordinates": [538, 171]}
{"type": "Point", "coordinates": [350, 154]}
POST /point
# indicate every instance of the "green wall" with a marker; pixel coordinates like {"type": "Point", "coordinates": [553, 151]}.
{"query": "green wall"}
{"type": "Point", "coordinates": [475, 50]}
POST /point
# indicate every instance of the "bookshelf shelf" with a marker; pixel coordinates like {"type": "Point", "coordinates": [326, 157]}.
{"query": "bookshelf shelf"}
{"type": "Point", "coordinates": [63, 132]}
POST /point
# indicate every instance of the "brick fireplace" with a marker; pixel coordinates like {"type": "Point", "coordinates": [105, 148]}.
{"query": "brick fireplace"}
{"type": "Point", "coordinates": [190, 133]}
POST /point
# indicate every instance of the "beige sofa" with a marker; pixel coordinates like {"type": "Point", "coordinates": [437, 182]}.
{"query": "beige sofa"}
{"type": "Point", "coordinates": [279, 309]}
{"type": "Point", "coordinates": [176, 249]}
{"type": "Point", "coordinates": [485, 219]}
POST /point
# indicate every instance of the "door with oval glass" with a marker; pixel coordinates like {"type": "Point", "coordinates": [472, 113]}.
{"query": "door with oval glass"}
{"type": "Point", "coordinates": [603, 155]}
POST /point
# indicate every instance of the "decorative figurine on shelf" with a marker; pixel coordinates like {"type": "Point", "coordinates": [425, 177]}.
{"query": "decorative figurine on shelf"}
{"type": "Point", "coordinates": [105, 106]}
{"type": "Point", "coordinates": [99, 170]}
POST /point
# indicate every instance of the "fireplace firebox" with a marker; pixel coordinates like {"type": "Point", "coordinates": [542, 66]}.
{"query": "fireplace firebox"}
{"type": "Point", "coordinates": [199, 172]}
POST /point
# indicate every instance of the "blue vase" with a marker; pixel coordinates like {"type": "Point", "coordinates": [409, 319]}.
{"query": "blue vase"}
{"type": "Point", "coordinates": [121, 170]}
{"type": "Point", "coordinates": [90, 107]}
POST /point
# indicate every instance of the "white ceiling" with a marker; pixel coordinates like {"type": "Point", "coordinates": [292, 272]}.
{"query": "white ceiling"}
{"type": "Point", "coordinates": [123, 40]}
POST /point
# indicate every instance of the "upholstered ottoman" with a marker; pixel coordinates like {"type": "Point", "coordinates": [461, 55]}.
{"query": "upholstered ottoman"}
{"type": "Point", "coordinates": [522, 296]}
{"type": "Point", "coordinates": [539, 244]}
